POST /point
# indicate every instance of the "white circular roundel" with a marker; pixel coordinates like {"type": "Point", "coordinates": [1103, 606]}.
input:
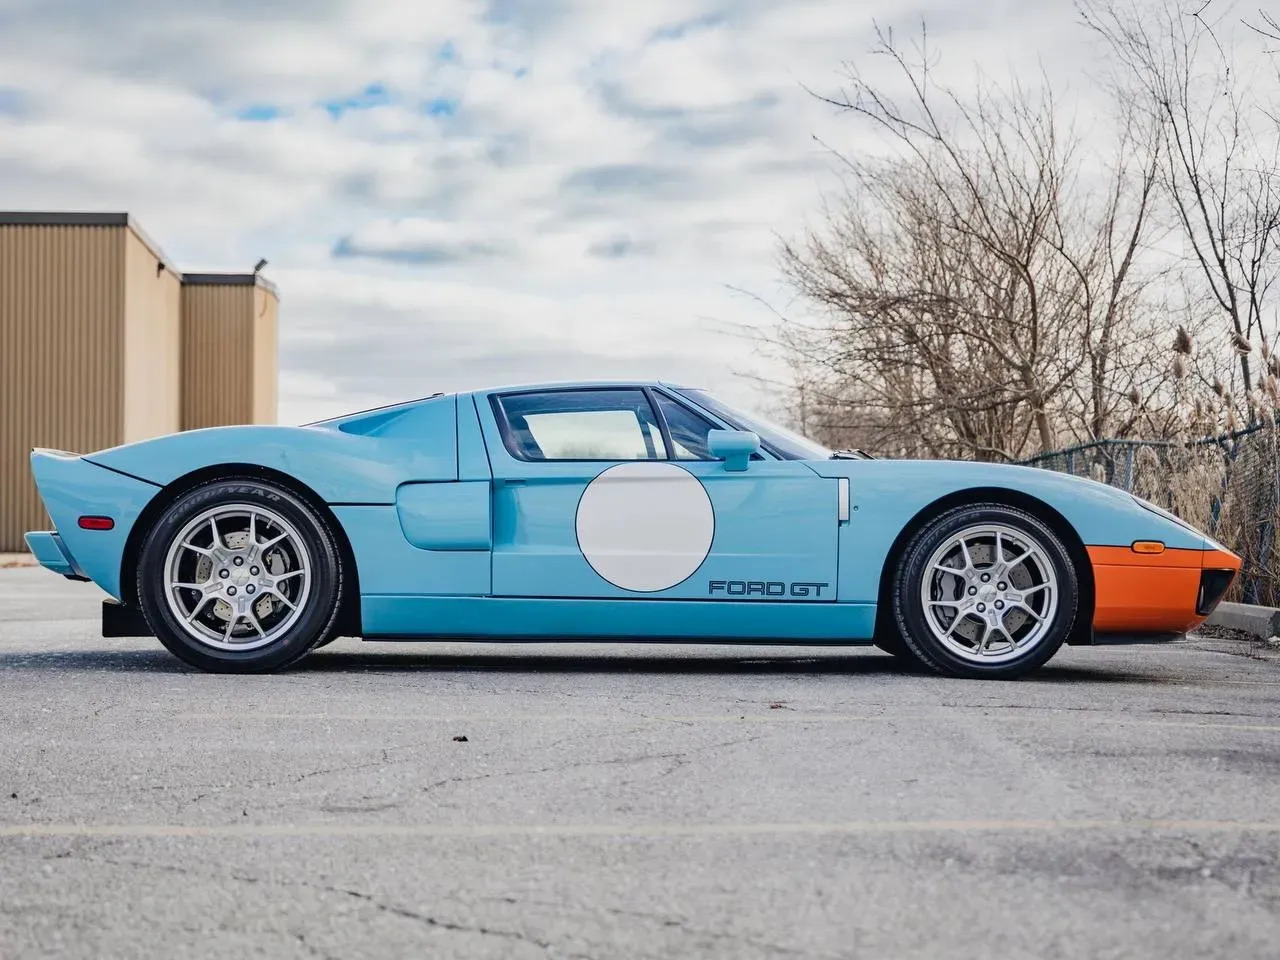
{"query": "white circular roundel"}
{"type": "Point", "coordinates": [645, 526]}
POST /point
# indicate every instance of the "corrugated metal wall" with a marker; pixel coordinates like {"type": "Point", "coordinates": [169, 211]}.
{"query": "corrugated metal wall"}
{"type": "Point", "coordinates": [62, 306]}
{"type": "Point", "coordinates": [217, 355]}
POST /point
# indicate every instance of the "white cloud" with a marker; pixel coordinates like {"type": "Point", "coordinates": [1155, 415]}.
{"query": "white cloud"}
{"type": "Point", "coordinates": [453, 193]}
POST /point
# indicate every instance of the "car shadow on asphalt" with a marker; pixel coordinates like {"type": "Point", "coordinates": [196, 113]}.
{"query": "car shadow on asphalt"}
{"type": "Point", "coordinates": [863, 662]}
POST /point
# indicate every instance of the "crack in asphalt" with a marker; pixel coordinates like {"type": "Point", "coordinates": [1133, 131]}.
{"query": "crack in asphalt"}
{"type": "Point", "coordinates": [312, 949]}
{"type": "Point", "coordinates": [381, 906]}
{"type": "Point", "coordinates": [666, 920]}
{"type": "Point", "coordinates": [680, 756]}
{"type": "Point", "coordinates": [385, 760]}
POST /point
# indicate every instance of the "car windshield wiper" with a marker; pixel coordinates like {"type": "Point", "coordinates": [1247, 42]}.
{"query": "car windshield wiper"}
{"type": "Point", "coordinates": [852, 454]}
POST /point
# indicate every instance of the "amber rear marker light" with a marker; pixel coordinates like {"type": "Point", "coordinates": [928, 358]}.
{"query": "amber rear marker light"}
{"type": "Point", "coordinates": [96, 523]}
{"type": "Point", "coordinates": [1147, 546]}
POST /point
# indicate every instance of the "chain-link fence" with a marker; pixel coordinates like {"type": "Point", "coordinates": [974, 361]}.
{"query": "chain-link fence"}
{"type": "Point", "coordinates": [1228, 486]}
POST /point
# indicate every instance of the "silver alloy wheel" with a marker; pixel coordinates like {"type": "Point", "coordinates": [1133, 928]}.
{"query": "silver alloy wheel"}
{"type": "Point", "coordinates": [237, 576]}
{"type": "Point", "coordinates": [989, 593]}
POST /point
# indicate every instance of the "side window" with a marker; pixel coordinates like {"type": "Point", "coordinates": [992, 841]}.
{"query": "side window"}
{"type": "Point", "coordinates": [580, 425]}
{"type": "Point", "coordinates": [688, 430]}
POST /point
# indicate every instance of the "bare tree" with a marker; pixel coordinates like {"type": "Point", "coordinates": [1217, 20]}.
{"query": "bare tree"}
{"type": "Point", "coordinates": [979, 286]}
{"type": "Point", "coordinates": [1218, 170]}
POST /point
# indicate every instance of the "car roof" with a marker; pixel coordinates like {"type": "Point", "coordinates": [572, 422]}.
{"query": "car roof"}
{"type": "Point", "coordinates": [577, 385]}
{"type": "Point", "coordinates": [487, 391]}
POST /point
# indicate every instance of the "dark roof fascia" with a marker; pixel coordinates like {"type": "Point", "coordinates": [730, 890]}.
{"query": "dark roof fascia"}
{"type": "Point", "coordinates": [230, 280]}
{"type": "Point", "coordinates": [37, 218]}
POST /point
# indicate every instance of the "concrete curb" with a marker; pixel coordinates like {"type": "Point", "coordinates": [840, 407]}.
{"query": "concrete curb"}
{"type": "Point", "coordinates": [16, 560]}
{"type": "Point", "coordinates": [1261, 622]}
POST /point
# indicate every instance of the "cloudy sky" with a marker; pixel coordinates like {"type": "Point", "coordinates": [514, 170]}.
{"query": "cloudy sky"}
{"type": "Point", "coordinates": [455, 194]}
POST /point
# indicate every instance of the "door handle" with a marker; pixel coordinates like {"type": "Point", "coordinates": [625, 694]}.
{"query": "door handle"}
{"type": "Point", "coordinates": [512, 481]}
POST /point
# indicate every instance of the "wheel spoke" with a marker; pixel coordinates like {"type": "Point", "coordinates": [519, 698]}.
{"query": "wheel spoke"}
{"type": "Point", "coordinates": [252, 618]}
{"type": "Point", "coordinates": [274, 540]}
{"type": "Point", "coordinates": [231, 625]}
{"type": "Point", "coordinates": [1007, 635]}
{"type": "Point", "coordinates": [216, 543]}
{"type": "Point", "coordinates": [968, 559]}
{"type": "Point", "coordinates": [980, 648]}
{"type": "Point", "coordinates": [289, 575]}
{"type": "Point", "coordinates": [1025, 609]}
{"type": "Point", "coordinates": [281, 597]}
{"type": "Point", "coordinates": [1013, 563]}
{"type": "Point", "coordinates": [190, 586]}
{"type": "Point", "coordinates": [198, 607]}
{"type": "Point", "coordinates": [203, 551]}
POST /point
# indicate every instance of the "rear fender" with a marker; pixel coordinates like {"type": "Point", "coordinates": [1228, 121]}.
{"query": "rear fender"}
{"type": "Point", "coordinates": [361, 461]}
{"type": "Point", "coordinates": [71, 488]}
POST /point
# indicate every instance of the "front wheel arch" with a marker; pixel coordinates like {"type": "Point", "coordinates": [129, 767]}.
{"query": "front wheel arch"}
{"type": "Point", "coordinates": [1081, 632]}
{"type": "Point", "coordinates": [349, 621]}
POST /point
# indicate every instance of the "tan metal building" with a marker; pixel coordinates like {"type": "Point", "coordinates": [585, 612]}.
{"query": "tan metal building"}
{"type": "Point", "coordinates": [103, 342]}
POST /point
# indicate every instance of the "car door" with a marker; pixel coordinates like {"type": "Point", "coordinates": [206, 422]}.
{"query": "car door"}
{"type": "Point", "coordinates": [595, 497]}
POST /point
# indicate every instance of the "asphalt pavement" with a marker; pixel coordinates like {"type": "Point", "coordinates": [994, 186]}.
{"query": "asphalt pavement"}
{"type": "Point", "coordinates": [630, 801]}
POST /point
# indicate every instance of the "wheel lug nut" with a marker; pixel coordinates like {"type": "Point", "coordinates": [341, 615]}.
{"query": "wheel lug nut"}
{"type": "Point", "coordinates": [982, 607]}
{"type": "Point", "coordinates": [986, 577]}
{"type": "Point", "coordinates": [999, 604]}
{"type": "Point", "coordinates": [253, 571]}
{"type": "Point", "coordinates": [223, 574]}
{"type": "Point", "coordinates": [238, 561]}
{"type": "Point", "coordinates": [231, 591]}
{"type": "Point", "coordinates": [972, 591]}
{"type": "Point", "coordinates": [249, 588]}
{"type": "Point", "coordinates": [1002, 585]}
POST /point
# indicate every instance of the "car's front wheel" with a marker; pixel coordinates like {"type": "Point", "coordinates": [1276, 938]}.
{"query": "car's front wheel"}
{"type": "Point", "coordinates": [985, 590]}
{"type": "Point", "coordinates": [240, 576]}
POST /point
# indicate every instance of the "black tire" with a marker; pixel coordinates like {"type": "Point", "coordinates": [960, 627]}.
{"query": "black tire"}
{"type": "Point", "coordinates": [314, 625]}
{"type": "Point", "coordinates": [328, 639]}
{"type": "Point", "coordinates": [908, 606]}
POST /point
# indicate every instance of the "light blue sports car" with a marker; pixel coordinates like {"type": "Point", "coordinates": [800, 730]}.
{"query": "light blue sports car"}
{"type": "Point", "coordinates": [605, 511]}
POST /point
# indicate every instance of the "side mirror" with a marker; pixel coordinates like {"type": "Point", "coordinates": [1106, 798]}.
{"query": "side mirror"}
{"type": "Point", "coordinates": [734, 447]}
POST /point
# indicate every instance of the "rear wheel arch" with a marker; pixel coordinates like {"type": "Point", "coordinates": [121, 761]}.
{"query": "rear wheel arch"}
{"type": "Point", "coordinates": [349, 623]}
{"type": "Point", "coordinates": [1081, 632]}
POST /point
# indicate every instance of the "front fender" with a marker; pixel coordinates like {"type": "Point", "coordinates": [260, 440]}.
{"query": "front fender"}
{"type": "Point", "coordinates": [887, 494]}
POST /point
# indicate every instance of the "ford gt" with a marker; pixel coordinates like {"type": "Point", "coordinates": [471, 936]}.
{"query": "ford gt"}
{"type": "Point", "coordinates": [606, 511]}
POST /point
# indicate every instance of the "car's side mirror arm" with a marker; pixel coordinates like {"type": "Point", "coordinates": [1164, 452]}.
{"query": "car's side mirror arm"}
{"type": "Point", "coordinates": [734, 447]}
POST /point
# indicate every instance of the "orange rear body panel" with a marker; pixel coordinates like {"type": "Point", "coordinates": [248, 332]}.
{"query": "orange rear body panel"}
{"type": "Point", "coordinates": [1145, 592]}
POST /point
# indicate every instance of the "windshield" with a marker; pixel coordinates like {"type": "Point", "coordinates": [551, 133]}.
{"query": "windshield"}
{"type": "Point", "coordinates": [785, 443]}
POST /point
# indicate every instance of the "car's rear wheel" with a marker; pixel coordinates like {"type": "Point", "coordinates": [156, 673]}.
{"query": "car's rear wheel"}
{"type": "Point", "coordinates": [985, 590]}
{"type": "Point", "coordinates": [240, 576]}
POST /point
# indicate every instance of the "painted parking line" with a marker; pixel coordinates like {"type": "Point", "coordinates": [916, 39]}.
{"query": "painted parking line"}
{"type": "Point", "coordinates": [778, 717]}
{"type": "Point", "coordinates": [619, 830]}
